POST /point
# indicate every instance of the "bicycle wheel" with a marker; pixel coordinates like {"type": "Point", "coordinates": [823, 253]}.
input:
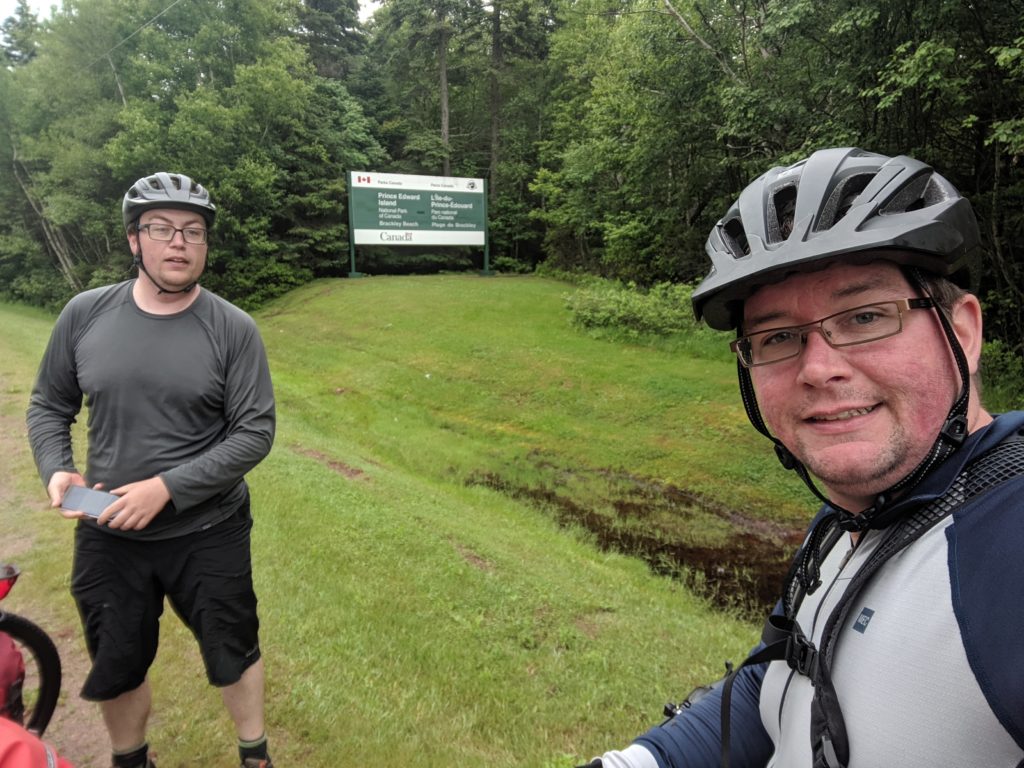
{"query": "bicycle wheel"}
{"type": "Point", "coordinates": [42, 669]}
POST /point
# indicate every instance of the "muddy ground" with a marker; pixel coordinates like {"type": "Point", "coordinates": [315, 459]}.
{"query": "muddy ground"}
{"type": "Point", "coordinates": [741, 572]}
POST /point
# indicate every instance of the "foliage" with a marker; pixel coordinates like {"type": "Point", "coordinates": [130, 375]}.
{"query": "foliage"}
{"type": "Point", "coordinates": [612, 133]}
{"type": "Point", "coordinates": [18, 34]}
{"type": "Point", "coordinates": [1002, 376]}
{"type": "Point", "coordinates": [662, 310]}
{"type": "Point", "coordinates": [224, 94]}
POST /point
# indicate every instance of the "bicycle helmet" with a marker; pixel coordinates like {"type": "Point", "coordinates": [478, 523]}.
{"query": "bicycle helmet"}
{"type": "Point", "coordinates": [851, 206]}
{"type": "Point", "coordinates": [166, 190]}
{"type": "Point", "coordinates": [841, 204]}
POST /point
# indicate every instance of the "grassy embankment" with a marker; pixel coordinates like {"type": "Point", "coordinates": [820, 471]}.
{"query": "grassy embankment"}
{"type": "Point", "coordinates": [418, 605]}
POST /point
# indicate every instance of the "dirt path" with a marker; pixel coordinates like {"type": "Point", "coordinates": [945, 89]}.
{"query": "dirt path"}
{"type": "Point", "coordinates": [77, 728]}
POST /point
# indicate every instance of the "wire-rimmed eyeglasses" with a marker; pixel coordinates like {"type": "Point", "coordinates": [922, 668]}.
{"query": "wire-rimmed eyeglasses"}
{"type": "Point", "coordinates": [165, 233]}
{"type": "Point", "coordinates": [859, 325]}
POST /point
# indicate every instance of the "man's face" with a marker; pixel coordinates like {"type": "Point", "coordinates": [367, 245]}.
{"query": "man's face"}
{"type": "Point", "coordinates": [174, 263]}
{"type": "Point", "coordinates": [860, 418]}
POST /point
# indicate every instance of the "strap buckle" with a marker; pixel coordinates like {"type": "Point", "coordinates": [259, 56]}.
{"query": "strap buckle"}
{"type": "Point", "coordinates": [801, 655]}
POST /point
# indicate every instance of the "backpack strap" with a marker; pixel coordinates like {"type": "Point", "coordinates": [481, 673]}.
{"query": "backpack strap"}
{"type": "Point", "coordinates": [783, 639]}
{"type": "Point", "coordinates": [829, 742]}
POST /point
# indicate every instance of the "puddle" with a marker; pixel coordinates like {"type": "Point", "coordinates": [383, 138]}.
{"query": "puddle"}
{"type": "Point", "coordinates": [741, 570]}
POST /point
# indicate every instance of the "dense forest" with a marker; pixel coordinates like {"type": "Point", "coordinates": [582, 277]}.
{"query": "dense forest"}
{"type": "Point", "coordinates": [612, 133]}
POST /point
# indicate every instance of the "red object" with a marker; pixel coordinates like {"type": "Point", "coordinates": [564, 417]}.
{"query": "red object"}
{"type": "Point", "coordinates": [12, 678]}
{"type": "Point", "coordinates": [21, 749]}
{"type": "Point", "coordinates": [8, 575]}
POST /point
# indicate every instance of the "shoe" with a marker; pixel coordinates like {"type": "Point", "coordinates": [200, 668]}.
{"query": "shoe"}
{"type": "Point", "coordinates": [257, 762]}
{"type": "Point", "coordinates": [148, 764]}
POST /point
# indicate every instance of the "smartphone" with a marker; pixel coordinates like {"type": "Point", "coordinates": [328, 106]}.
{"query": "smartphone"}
{"type": "Point", "coordinates": [87, 500]}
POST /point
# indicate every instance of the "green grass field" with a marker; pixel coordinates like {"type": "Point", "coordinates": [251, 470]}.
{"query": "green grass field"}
{"type": "Point", "coordinates": [433, 589]}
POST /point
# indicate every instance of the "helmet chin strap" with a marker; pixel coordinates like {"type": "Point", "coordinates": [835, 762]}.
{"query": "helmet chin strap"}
{"type": "Point", "coordinates": [137, 261]}
{"type": "Point", "coordinates": [878, 515]}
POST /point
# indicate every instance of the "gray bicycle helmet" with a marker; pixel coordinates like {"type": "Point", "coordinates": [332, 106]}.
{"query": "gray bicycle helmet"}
{"type": "Point", "coordinates": [166, 190]}
{"type": "Point", "coordinates": [840, 204]}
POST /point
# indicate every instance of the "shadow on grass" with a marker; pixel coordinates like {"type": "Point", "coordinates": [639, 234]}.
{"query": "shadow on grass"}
{"type": "Point", "coordinates": [740, 570]}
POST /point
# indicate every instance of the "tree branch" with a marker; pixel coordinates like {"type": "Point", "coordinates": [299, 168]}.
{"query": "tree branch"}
{"type": "Point", "coordinates": [693, 33]}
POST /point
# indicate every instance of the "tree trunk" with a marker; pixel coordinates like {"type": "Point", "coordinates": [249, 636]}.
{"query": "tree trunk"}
{"type": "Point", "coordinates": [497, 66]}
{"type": "Point", "coordinates": [442, 61]}
{"type": "Point", "coordinates": [53, 237]}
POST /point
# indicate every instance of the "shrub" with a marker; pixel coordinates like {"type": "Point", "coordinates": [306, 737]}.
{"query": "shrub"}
{"type": "Point", "coordinates": [1002, 375]}
{"type": "Point", "coordinates": [660, 311]}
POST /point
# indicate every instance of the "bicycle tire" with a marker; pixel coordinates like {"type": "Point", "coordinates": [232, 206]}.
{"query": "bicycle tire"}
{"type": "Point", "coordinates": [34, 639]}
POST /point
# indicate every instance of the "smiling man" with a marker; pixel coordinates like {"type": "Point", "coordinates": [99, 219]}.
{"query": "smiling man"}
{"type": "Point", "coordinates": [897, 638]}
{"type": "Point", "coordinates": [180, 408]}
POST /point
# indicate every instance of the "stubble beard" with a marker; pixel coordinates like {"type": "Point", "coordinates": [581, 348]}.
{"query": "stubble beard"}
{"type": "Point", "coordinates": [861, 476]}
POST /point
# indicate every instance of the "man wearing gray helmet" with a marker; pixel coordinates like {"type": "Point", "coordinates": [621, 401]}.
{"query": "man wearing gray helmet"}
{"type": "Point", "coordinates": [180, 408]}
{"type": "Point", "coordinates": [897, 638]}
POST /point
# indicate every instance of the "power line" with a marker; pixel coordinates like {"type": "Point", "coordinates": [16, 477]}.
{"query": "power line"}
{"type": "Point", "coordinates": [133, 34]}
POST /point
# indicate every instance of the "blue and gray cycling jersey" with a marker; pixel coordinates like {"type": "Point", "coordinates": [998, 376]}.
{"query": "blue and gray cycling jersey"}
{"type": "Point", "coordinates": [929, 668]}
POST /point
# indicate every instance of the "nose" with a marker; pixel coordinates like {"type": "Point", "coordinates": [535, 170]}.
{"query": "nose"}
{"type": "Point", "coordinates": [819, 361]}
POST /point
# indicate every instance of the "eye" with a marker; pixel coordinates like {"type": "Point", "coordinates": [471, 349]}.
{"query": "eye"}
{"type": "Point", "coordinates": [159, 230]}
{"type": "Point", "coordinates": [776, 337]}
{"type": "Point", "coordinates": [193, 232]}
{"type": "Point", "coordinates": [865, 317]}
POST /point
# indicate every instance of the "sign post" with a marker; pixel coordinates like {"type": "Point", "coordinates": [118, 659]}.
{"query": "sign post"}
{"type": "Point", "coordinates": [400, 209]}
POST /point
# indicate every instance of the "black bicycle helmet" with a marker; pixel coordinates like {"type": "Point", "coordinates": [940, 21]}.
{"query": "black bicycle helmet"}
{"type": "Point", "coordinates": [166, 190]}
{"type": "Point", "coordinates": [841, 204]}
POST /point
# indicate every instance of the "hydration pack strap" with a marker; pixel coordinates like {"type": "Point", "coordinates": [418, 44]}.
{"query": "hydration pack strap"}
{"type": "Point", "coordinates": [783, 639]}
{"type": "Point", "coordinates": [779, 639]}
{"type": "Point", "coordinates": [829, 742]}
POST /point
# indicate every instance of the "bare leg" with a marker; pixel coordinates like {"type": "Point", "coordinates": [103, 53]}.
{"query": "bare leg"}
{"type": "Point", "coordinates": [126, 716]}
{"type": "Point", "coordinates": [244, 702]}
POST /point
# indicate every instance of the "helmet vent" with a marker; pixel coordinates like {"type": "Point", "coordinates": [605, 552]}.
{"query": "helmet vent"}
{"type": "Point", "coordinates": [736, 237]}
{"type": "Point", "coordinates": [920, 193]}
{"type": "Point", "coordinates": [842, 199]}
{"type": "Point", "coordinates": [781, 214]}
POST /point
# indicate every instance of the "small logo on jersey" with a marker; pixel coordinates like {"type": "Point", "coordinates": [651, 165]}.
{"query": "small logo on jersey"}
{"type": "Point", "coordinates": [861, 624]}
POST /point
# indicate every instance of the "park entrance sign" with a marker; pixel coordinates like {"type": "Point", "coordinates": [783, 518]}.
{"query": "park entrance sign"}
{"type": "Point", "coordinates": [392, 209]}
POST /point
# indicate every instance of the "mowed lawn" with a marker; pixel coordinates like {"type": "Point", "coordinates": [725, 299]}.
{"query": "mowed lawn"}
{"type": "Point", "coordinates": [413, 613]}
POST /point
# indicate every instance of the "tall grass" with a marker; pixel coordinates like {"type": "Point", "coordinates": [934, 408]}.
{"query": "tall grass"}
{"type": "Point", "coordinates": [411, 615]}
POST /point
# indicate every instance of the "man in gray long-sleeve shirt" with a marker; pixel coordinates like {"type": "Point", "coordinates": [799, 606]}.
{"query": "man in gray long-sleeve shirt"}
{"type": "Point", "coordinates": [180, 407]}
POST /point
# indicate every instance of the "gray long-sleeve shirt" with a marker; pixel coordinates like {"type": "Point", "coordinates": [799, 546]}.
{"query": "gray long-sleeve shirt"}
{"type": "Point", "coordinates": [186, 397]}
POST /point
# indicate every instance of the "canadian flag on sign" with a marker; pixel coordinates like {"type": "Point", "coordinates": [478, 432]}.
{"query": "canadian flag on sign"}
{"type": "Point", "coordinates": [363, 179]}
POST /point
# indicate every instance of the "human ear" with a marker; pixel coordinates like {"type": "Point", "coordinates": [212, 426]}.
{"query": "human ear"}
{"type": "Point", "coordinates": [967, 325]}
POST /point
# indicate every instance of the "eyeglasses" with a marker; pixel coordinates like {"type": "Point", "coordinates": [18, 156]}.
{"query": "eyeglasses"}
{"type": "Point", "coordinates": [164, 233]}
{"type": "Point", "coordinates": [858, 325]}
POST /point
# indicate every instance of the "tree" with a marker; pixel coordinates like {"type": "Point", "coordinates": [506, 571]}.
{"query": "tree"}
{"type": "Point", "coordinates": [331, 32]}
{"type": "Point", "coordinates": [18, 35]}
{"type": "Point", "coordinates": [223, 93]}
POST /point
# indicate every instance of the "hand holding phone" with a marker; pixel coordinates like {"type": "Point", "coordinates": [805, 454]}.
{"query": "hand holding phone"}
{"type": "Point", "coordinates": [87, 500]}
